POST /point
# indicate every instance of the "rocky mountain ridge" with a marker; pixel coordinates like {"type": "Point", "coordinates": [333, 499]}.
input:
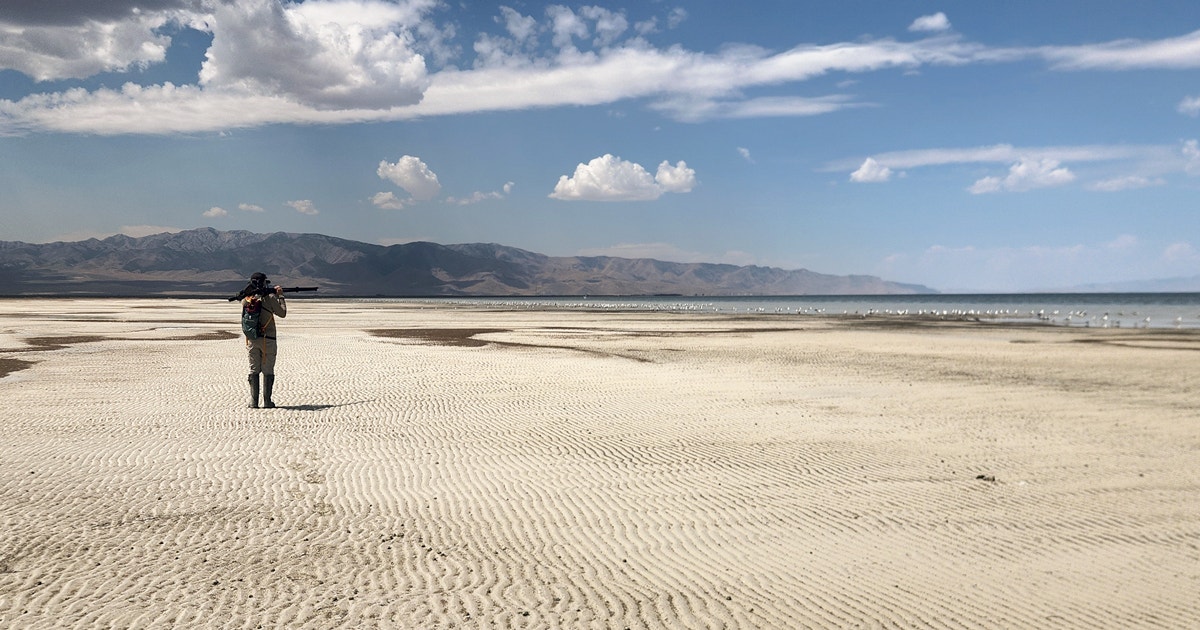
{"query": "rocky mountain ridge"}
{"type": "Point", "coordinates": [209, 261]}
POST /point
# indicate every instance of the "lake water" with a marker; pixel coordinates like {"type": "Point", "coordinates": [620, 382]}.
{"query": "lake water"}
{"type": "Point", "coordinates": [1108, 310]}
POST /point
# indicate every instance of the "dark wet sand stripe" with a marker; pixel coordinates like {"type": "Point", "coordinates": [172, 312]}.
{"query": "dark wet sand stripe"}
{"type": "Point", "coordinates": [8, 366]}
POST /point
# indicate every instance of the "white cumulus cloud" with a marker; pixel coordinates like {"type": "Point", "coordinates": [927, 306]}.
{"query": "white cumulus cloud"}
{"type": "Point", "coordinates": [566, 25]}
{"type": "Point", "coordinates": [216, 211]}
{"type": "Point", "coordinates": [413, 175]}
{"type": "Point", "coordinates": [479, 196]}
{"type": "Point", "coordinates": [609, 24]}
{"type": "Point", "coordinates": [1025, 175]}
{"type": "Point", "coordinates": [323, 53]}
{"type": "Point", "coordinates": [249, 207]}
{"type": "Point", "coordinates": [610, 178]}
{"type": "Point", "coordinates": [675, 179]}
{"type": "Point", "coordinates": [304, 206]}
{"type": "Point", "coordinates": [871, 172]}
{"type": "Point", "coordinates": [522, 28]}
{"type": "Point", "coordinates": [930, 23]}
{"type": "Point", "coordinates": [80, 49]}
{"type": "Point", "coordinates": [388, 201]}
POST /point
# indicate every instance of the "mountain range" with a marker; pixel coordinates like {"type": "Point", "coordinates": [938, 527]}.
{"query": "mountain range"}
{"type": "Point", "coordinates": [205, 261]}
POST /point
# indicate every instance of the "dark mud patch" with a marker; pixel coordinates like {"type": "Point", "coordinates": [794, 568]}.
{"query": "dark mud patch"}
{"type": "Point", "coordinates": [215, 335]}
{"type": "Point", "coordinates": [465, 338]}
{"type": "Point", "coordinates": [459, 337]}
{"type": "Point", "coordinates": [878, 322]}
{"type": "Point", "coordinates": [705, 332]}
{"type": "Point", "coordinates": [45, 344]}
{"type": "Point", "coordinates": [8, 366]}
{"type": "Point", "coordinates": [58, 343]}
{"type": "Point", "coordinates": [1150, 340]}
{"type": "Point", "coordinates": [210, 322]}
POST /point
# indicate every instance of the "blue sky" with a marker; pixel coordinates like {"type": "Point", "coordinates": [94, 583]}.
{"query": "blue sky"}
{"type": "Point", "coordinates": [980, 146]}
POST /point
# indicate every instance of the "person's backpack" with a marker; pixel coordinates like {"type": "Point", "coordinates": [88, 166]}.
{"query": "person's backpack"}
{"type": "Point", "coordinates": [252, 325]}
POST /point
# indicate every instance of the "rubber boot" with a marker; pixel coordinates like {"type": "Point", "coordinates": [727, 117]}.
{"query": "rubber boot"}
{"type": "Point", "coordinates": [268, 383]}
{"type": "Point", "coordinates": [253, 380]}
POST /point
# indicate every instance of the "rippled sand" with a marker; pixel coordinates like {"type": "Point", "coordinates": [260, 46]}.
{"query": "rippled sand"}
{"type": "Point", "coordinates": [462, 468]}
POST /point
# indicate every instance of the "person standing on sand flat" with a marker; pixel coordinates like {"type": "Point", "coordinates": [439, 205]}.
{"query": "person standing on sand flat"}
{"type": "Point", "coordinates": [260, 307]}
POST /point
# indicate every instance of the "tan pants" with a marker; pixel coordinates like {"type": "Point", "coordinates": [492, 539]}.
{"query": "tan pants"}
{"type": "Point", "coordinates": [262, 355]}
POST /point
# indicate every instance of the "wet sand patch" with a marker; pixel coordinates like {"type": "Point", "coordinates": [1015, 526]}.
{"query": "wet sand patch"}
{"type": "Point", "coordinates": [59, 343]}
{"type": "Point", "coordinates": [460, 337]}
{"type": "Point", "coordinates": [46, 344]}
{"type": "Point", "coordinates": [465, 338]}
{"type": "Point", "coordinates": [1150, 340]}
{"type": "Point", "coordinates": [214, 335]}
{"type": "Point", "coordinates": [8, 366]}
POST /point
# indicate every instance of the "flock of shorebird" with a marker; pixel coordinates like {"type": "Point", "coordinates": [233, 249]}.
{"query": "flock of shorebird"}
{"type": "Point", "coordinates": [1054, 317]}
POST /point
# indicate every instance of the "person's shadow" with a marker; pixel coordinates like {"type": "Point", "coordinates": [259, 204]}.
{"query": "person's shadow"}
{"type": "Point", "coordinates": [317, 407]}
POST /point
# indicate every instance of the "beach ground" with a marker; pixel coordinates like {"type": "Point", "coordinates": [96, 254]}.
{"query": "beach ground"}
{"type": "Point", "coordinates": [453, 467]}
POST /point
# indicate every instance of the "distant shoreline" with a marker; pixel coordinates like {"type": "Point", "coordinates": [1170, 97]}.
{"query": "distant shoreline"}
{"type": "Point", "coordinates": [1076, 310]}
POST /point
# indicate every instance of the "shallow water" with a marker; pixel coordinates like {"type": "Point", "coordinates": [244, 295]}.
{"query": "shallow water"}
{"type": "Point", "coordinates": [1105, 310]}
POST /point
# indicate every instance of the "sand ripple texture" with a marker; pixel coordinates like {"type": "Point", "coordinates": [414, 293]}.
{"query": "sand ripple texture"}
{"type": "Point", "coordinates": [440, 468]}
